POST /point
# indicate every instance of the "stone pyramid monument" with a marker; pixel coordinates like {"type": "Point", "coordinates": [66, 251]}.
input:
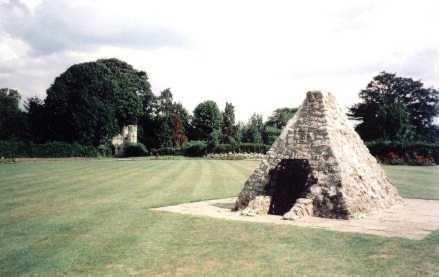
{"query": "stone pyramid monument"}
{"type": "Point", "coordinates": [318, 166]}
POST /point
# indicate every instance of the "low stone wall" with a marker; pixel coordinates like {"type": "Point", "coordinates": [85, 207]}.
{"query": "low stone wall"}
{"type": "Point", "coordinates": [236, 156]}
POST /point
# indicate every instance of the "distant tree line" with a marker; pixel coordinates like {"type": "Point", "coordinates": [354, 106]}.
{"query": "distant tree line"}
{"type": "Point", "coordinates": [90, 102]}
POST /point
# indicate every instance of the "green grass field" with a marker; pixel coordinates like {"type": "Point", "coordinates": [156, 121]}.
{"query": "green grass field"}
{"type": "Point", "coordinates": [92, 217]}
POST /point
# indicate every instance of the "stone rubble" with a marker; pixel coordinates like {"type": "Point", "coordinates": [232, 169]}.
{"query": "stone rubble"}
{"type": "Point", "coordinates": [259, 205]}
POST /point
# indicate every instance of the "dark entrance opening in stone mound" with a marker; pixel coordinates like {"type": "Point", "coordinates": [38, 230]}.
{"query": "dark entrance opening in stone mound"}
{"type": "Point", "coordinates": [288, 182]}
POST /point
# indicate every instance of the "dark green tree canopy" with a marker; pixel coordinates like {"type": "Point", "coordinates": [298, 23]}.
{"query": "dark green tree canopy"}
{"type": "Point", "coordinates": [253, 131]}
{"type": "Point", "coordinates": [275, 123]}
{"type": "Point", "coordinates": [12, 119]}
{"type": "Point", "coordinates": [206, 121]}
{"type": "Point", "coordinates": [228, 125]}
{"type": "Point", "coordinates": [172, 119]}
{"type": "Point", "coordinates": [165, 123]}
{"type": "Point", "coordinates": [37, 119]}
{"type": "Point", "coordinates": [9, 101]}
{"type": "Point", "coordinates": [396, 108]}
{"type": "Point", "coordinates": [90, 102]}
{"type": "Point", "coordinates": [280, 117]}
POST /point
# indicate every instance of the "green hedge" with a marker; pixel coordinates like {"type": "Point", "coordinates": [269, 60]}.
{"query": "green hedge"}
{"type": "Point", "coordinates": [225, 148]}
{"type": "Point", "coordinates": [253, 148]}
{"type": "Point", "coordinates": [17, 149]}
{"type": "Point", "coordinates": [195, 148]}
{"type": "Point", "coordinates": [167, 151]}
{"type": "Point", "coordinates": [199, 148]}
{"type": "Point", "coordinates": [135, 150]}
{"type": "Point", "coordinates": [417, 153]}
{"type": "Point", "coordinates": [241, 148]}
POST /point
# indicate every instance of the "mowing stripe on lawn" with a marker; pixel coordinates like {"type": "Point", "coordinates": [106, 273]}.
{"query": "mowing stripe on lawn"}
{"type": "Point", "coordinates": [184, 186]}
{"type": "Point", "coordinates": [39, 177]}
{"type": "Point", "coordinates": [65, 189]}
{"type": "Point", "coordinates": [201, 188]}
{"type": "Point", "coordinates": [67, 173]}
{"type": "Point", "coordinates": [236, 178]}
{"type": "Point", "coordinates": [77, 182]}
{"type": "Point", "coordinates": [165, 191]}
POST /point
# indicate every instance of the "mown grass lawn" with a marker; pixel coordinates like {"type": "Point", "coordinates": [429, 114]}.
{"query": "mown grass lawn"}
{"type": "Point", "coordinates": [92, 217]}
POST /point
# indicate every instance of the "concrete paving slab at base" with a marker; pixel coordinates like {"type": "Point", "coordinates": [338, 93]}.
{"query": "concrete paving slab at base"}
{"type": "Point", "coordinates": [414, 219]}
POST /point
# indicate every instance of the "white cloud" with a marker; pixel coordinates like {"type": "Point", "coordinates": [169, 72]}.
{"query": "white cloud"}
{"type": "Point", "coordinates": [258, 54]}
{"type": "Point", "coordinates": [63, 25]}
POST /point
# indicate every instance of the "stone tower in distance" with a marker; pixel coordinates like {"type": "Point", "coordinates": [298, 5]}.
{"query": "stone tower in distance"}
{"type": "Point", "coordinates": [127, 136]}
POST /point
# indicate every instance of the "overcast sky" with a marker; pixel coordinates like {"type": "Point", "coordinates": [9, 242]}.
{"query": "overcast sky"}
{"type": "Point", "coordinates": [259, 55]}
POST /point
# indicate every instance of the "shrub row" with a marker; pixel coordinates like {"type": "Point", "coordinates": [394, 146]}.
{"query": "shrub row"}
{"type": "Point", "coordinates": [200, 148]}
{"type": "Point", "coordinates": [418, 153]}
{"type": "Point", "coordinates": [195, 148]}
{"type": "Point", "coordinates": [236, 156]}
{"type": "Point", "coordinates": [135, 150]}
{"type": "Point", "coordinates": [241, 148]}
{"type": "Point", "coordinates": [16, 149]}
{"type": "Point", "coordinates": [387, 152]}
{"type": "Point", "coordinates": [167, 151]}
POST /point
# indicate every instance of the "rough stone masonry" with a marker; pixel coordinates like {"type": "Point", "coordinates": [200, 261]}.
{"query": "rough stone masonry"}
{"type": "Point", "coordinates": [318, 166]}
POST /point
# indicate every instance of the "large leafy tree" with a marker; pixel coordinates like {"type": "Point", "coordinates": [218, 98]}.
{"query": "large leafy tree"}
{"type": "Point", "coordinates": [37, 119]}
{"type": "Point", "coordinates": [173, 121]}
{"type": "Point", "coordinates": [275, 123]}
{"type": "Point", "coordinates": [180, 121]}
{"type": "Point", "coordinates": [252, 131]}
{"type": "Point", "coordinates": [166, 124]}
{"type": "Point", "coordinates": [206, 123]}
{"type": "Point", "coordinates": [228, 126]}
{"type": "Point", "coordinates": [164, 104]}
{"type": "Point", "coordinates": [13, 123]}
{"type": "Point", "coordinates": [396, 108]}
{"type": "Point", "coordinates": [90, 102]}
{"type": "Point", "coordinates": [280, 117]}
